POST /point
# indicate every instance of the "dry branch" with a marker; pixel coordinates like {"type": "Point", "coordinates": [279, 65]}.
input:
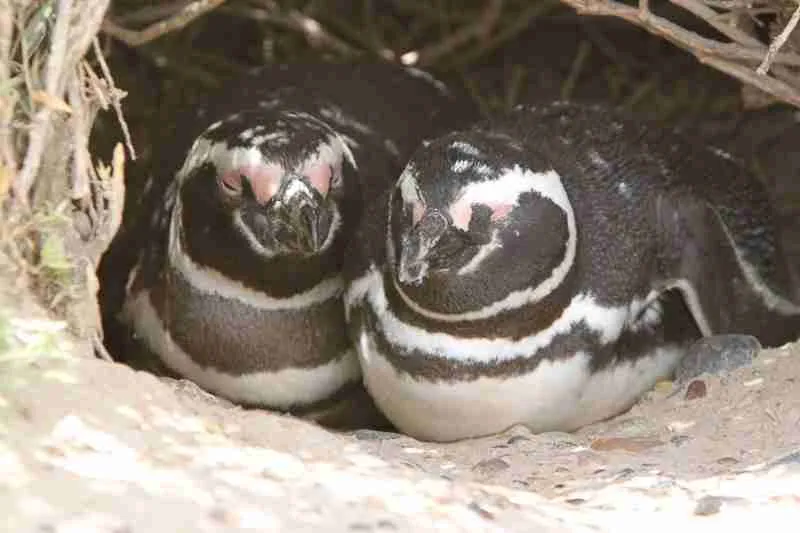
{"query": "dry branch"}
{"type": "Point", "coordinates": [175, 22]}
{"type": "Point", "coordinates": [737, 57]}
{"type": "Point", "coordinates": [779, 41]}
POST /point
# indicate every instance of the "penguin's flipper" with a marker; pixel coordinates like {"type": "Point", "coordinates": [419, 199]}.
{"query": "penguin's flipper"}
{"type": "Point", "coordinates": [703, 258]}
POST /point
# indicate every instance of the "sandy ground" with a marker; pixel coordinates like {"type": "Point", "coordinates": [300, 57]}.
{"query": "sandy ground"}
{"type": "Point", "coordinates": [87, 445]}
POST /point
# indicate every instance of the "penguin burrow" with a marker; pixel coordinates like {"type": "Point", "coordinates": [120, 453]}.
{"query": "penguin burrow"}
{"type": "Point", "coordinates": [229, 271]}
{"type": "Point", "coordinates": [546, 267]}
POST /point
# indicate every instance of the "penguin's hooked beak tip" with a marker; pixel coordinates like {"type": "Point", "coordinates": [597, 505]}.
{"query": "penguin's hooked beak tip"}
{"type": "Point", "coordinates": [306, 221]}
{"type": "Point", "coordinates": [417, 245]}
{"type": "Point", "coordinates": [305, 229]}
{"type": "Point", "coordinates": [412, 273]}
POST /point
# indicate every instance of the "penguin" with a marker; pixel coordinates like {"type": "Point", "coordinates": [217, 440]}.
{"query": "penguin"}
{"type": "Point", "coordinates": [235, 282]}
{"type": "Point", "coordinates": [546, 267]}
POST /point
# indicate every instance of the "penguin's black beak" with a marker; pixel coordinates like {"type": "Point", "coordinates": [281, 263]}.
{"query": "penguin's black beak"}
{"type": "Point", "coordinates": [302, 220]}
{"type": "Point", "coordinates": [417, 245]}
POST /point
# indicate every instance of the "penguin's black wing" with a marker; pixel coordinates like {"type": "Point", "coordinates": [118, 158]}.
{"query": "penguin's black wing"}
{"type": "Point", "coordinates": [721, 248]}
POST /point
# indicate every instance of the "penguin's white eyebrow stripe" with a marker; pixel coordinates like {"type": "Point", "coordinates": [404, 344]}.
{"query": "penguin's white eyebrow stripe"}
{"type": "Point", "coordinates": [511, 184]}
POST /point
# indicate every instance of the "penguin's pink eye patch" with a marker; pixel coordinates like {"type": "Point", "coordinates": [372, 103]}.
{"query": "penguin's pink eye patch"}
{"type": "Point", "coordinates": [461, 212]}
{"type": "Point", "coordinates": [320, 175]}
{"type": "Point", "coordinates": [499, 210]}
{"type": "Point", "coordinates": [264, 181]}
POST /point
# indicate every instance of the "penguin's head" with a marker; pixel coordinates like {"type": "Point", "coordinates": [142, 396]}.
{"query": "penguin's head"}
{"type": "Point", "coordinates": [475, 231]}
{"type": "Point", "coordinates": [275, 178]}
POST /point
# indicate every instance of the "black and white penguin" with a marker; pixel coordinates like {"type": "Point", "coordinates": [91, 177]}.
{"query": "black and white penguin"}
{"type": "Point", "coordinates": [237, 283]}
{"type": "Point", "coordinates": [549, 266]}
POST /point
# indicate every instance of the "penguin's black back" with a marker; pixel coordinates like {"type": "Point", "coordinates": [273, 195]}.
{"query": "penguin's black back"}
{"type": "Point", "coordinates": [609, 147]}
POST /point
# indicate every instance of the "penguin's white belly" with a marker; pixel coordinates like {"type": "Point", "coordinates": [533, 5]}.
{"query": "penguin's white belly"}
{"type": "Point", "coordinates": [277, 389]}
{"type": "Point", "coordinates": [560, 395]}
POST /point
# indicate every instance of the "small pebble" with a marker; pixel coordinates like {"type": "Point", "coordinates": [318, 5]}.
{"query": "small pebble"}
{"type": "Point", "coordinates": [372, 434]}
{"type": "Point", "coordinates": [727, 461]}
{"type": "Point", "coordinates": [717, 355]}
{"type": "Point", "coordinates": [490, 467]}
{"type": "Point", "coordinates": [631, 426]}
{"type": "Point", "coordinates": [708, 505]}
{"type": "Point", "coordinates": [696, 389]}
{"type": "Point", "coordinates": [625, 473]}
{"type": "Point", "coordinates": [628, 444]}
{"type": "Point", "coordinates": [680, 440]}
{"type": "Point", "coordinates": [791, 459]}
{"type": "Point", "coordinates": [480, 511]}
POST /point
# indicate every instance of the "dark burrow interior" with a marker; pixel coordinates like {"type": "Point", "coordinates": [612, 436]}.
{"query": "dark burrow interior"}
{"type": "Point", "coordinates": [558, 56]}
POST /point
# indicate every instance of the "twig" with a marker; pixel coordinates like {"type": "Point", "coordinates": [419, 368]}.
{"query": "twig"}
{"type": "Point", "coordinates": [82, 35]}
{"type": "Point", "coordinates": [111, 185]}
{"type": "Point", "coordinates": [584, 48]}
{"type": "Point", "coordinates": [40, 129]}
{"type": "Point", "coordinates": [779, 41]}
{"type": "Point", "coordinates": [514, 86]}
{"type": "Point", "coordinates": [520, 23]}
{"type": "Point", "coordinates": [8, 102]}
{"type": "Point", "coordinates": [149, 14]}
{"type": "Point", "coordinates": [772, 86]}
{"type": "Point", "coordinates": [115, 98]}
{"type": "Point", "coordinates": [176, 22]}
{"type": "Point", "coordinates": [315, 33]}
{"type": "Point", "coordinates": [675, 34]}
{"type": "Point", "coordinates": [711, 17]}
{"type": "Point", "coordinates": [480, 28]}
{"type": "Point", "coordinates": [726, 57]}
{"type": "Point", "coordinates": [80, 136]}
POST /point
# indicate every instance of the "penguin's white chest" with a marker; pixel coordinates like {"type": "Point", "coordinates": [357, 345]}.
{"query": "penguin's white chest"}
{"type": "Point", "coordinates": [559, 395]}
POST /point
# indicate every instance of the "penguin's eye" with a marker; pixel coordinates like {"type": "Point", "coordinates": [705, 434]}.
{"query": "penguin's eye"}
{"type": "Point", "coordinates": [231, 183]}
{"type": "Point", "coordinates": [320, 175]}
{"type": "Point", "coordinates": [454, 245]}
{"type": "Point", "coordinates": [479, 229]}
